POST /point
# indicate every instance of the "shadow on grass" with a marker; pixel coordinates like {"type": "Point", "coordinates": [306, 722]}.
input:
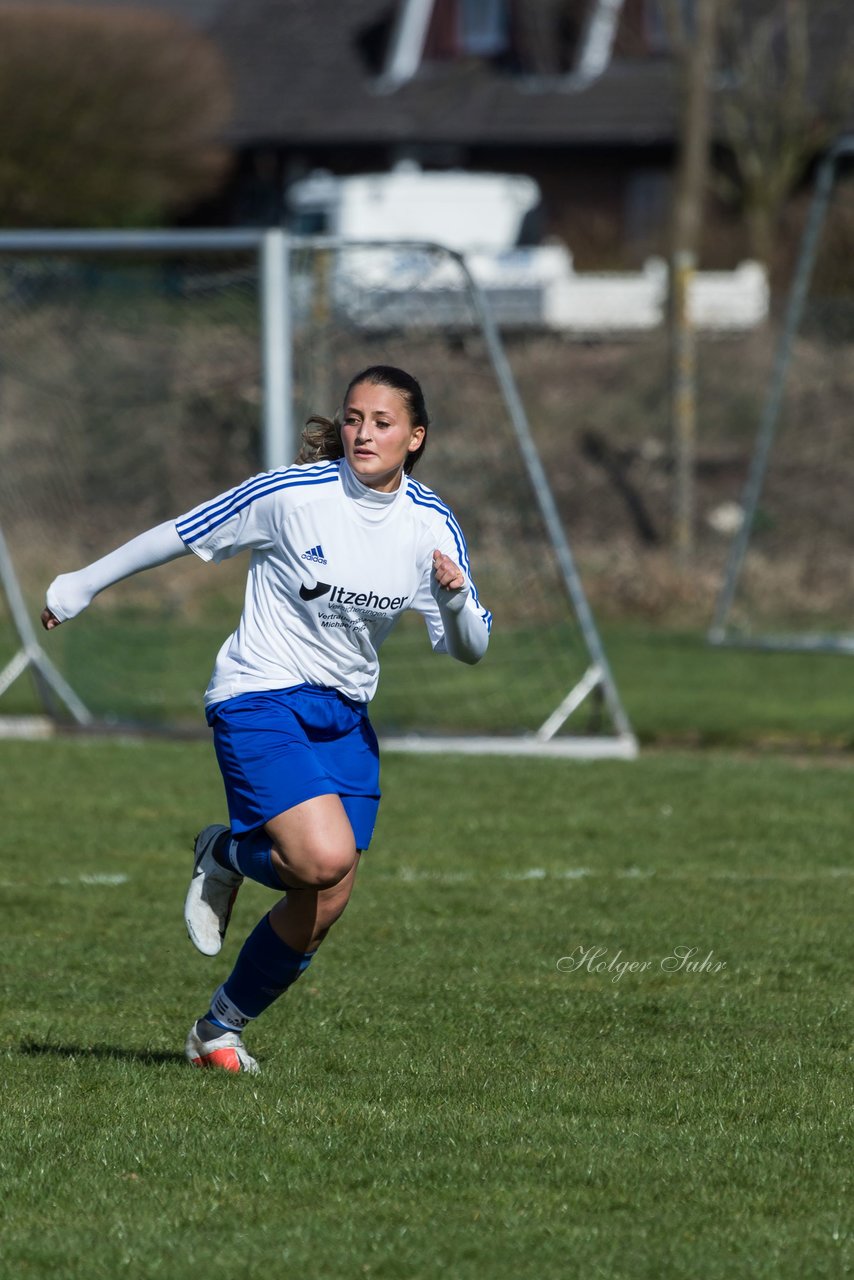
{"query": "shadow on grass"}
{"type": "Point", "coordinates": [148, 1057]}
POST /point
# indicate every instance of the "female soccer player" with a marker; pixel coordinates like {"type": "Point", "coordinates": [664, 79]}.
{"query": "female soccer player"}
{"type": "Point", "coordinates": [341, 544]}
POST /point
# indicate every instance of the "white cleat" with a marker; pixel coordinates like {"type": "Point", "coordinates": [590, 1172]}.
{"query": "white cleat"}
{"type": "Point", "coordinates": [210, 897]}
{"type": "Point", "coordinates": [226, 1053]}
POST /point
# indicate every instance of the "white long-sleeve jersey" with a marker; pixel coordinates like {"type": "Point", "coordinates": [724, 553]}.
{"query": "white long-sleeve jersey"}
{"type": "Point", "coordinates": [333, 565]}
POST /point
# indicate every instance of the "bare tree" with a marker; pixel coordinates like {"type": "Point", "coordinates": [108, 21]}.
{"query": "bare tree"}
{"type": "Point", "coordinates": [751, 69]}
{"type": "Point", "coordinates": [694, 43]}
{"type": "Point", "coordinates": [778, 108]}
{"type": "Point", "coordinates": [106, 117]}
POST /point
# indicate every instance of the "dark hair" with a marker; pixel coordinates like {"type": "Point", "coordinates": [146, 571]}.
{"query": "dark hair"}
{"type": "Point", "coordinates": [321, 437]}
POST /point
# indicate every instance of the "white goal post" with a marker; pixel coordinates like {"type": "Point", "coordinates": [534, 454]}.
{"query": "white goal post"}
{"type": "Point", "coordinates": [170, 364]}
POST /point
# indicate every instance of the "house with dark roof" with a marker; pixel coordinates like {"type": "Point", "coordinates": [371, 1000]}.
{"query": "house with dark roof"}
{"type": "Point", "coordinates": [582, 95]}
{"type": "Point", "coordinates": [588, 108]}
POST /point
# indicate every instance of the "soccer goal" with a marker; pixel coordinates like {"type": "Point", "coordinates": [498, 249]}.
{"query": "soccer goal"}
{"type": "Point", "coordinates": [789, 581]}
{"type": "Point", "coordinates": [144, 373]}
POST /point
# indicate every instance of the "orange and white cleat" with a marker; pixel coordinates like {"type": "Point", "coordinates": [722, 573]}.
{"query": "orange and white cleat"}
{"type": "Point", "coordinates": [226, 1053]}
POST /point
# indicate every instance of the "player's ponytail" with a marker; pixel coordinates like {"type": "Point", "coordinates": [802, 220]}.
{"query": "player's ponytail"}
{"type": "Point", "coordinates": [320, 441]}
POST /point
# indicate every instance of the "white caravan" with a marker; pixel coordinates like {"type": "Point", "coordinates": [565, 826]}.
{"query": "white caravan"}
{"type": "Point", "coordinates": [491, 220]}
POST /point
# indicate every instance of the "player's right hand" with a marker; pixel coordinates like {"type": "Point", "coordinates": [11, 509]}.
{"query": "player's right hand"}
{"type": "Point", "coordinates": [50, 620]}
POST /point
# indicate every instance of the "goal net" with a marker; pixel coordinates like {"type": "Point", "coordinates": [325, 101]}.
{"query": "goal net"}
{"type": "Point", "coordinates": [789, 580]}
{"type": "Point", "coordinates": [133, 387]}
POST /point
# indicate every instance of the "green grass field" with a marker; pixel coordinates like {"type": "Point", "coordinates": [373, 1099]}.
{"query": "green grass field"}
{"type": "Point", "coordinates": [676, 689]}
{"type": "Point", "coordinates": [440, 1096]}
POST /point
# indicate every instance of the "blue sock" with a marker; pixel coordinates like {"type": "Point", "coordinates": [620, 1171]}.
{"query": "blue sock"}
{"type": "Point", "coordinates": [252, 856]}
{"type": "Point", "coordinates": [265, 968]}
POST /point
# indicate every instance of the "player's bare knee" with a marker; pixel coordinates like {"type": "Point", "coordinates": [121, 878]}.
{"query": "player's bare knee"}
{"type": "Point", "coordinates": [329, 869]}
{"type": "Point", "coordinates": [314, 868]}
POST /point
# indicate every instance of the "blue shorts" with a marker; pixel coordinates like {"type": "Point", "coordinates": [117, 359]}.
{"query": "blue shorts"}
{"type": "Point", "coordinates": [279, 747]}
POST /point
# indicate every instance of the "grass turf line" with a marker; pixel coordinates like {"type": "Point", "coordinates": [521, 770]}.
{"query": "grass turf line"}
{"type": "Point", "coordinates": [437, 1097]}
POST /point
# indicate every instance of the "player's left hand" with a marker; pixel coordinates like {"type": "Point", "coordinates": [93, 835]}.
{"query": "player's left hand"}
{"type": "Point", "coordinates": [446, 573]}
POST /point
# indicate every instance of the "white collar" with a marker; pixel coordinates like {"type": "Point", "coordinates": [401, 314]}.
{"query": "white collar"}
{"type": "Point", "coordinates": [363, 493]}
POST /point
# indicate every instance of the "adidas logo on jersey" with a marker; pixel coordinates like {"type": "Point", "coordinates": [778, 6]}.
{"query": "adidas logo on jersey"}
{"type": "Point", "coordinates": [315, 555]}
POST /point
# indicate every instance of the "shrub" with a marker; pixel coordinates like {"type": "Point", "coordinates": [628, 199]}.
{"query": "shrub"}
{"type": "Point", "coordinates": [106, 118]}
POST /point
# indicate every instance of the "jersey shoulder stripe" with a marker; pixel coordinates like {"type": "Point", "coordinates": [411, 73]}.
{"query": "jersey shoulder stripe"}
{"type": "Point", "coordinates": [191, 531]}
{"type": "Point", "coordinates": [421, 496]}
{"type": "Point", "coordinates": [429, 497]}
{"type": "Point", "coordinates": [210, 516]}
{"type": "Point", "coordinates": [249, 487]}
